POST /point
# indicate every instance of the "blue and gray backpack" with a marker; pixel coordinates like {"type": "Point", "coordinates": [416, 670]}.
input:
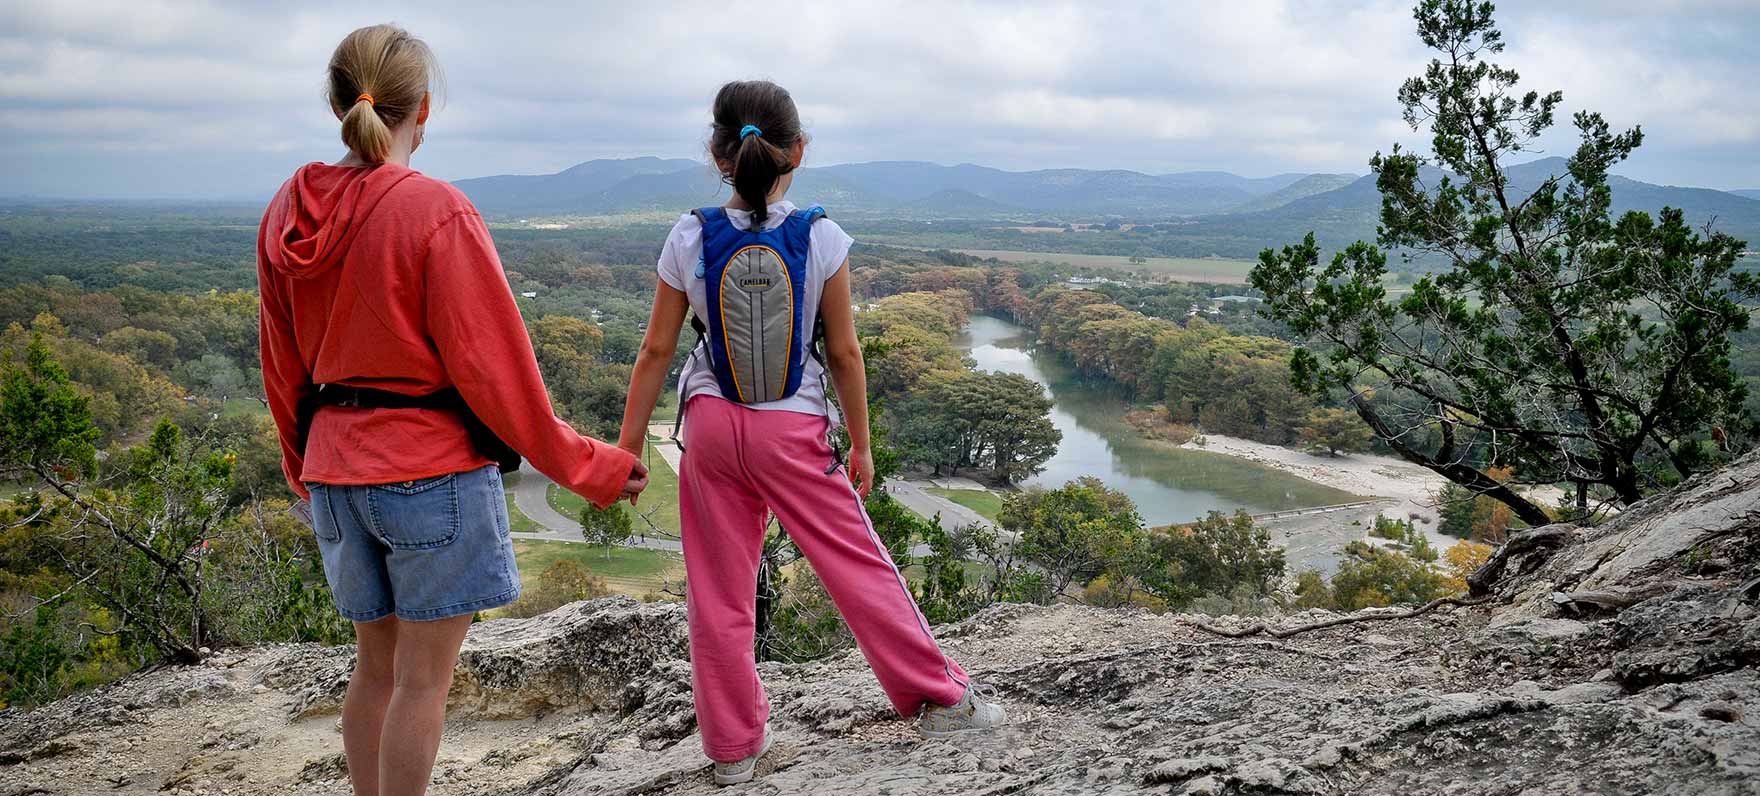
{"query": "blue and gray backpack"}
{"type": "Point", "coordinates": [756, 285]}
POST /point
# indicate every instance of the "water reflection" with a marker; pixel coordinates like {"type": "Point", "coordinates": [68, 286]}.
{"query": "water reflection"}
{"type": "Point", "coordinates": [1169, 484]}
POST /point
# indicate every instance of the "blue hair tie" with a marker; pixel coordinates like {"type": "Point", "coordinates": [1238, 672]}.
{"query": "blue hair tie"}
{"type": "Point", "coordinates": [750, 129]}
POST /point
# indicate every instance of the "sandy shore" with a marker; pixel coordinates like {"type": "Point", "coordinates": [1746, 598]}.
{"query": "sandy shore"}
{"type": "Point", "coordinates": [1316, 541]}
{"type": "Point", "coordinates": [1358, 473]}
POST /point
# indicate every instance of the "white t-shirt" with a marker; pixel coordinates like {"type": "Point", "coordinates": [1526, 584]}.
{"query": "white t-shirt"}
{"type": "Point", "coordinates": [827, 251]}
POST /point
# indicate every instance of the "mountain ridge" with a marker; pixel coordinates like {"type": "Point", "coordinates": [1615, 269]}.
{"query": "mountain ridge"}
{"type": "Point", "coordinates": [1216, 213]}
{"type": "Point", "coordinates": [602, 186]}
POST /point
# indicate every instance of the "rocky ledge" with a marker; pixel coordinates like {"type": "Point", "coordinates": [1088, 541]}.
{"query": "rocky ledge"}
{"type": "Point", "coordinates": [1618, 659]}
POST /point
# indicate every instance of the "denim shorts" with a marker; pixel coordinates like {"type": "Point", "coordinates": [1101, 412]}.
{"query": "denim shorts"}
{"type": "Point", "coordinates": [423, 550]}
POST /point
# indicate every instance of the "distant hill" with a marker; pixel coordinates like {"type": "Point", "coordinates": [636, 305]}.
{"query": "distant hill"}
{"type": "Point", "coordinates": [909, 187]}
{"type": "Point", "coordinates": [1213, 212]}
{"type": "Point", "coordinates": [956, 203]}
{"type": "Point", "coordinates": [565, 191]}
{"type": "Point", "coordinates": [1751, 193]}
{"type": "Point", "coordinates": [1307, 186]}
{"type": "Point", "coordinates": [1074, 192]}
{"type": "Point", "coordinates": [1351, 212]}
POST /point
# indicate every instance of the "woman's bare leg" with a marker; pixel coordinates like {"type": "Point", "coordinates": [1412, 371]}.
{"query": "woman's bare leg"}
{"type": "Point", "coordinates": [363, 710]}
{"type": "Point", "coordinates": [410, 737]}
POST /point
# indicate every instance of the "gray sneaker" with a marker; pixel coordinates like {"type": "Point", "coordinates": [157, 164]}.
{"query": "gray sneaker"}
{"type": "Point", "coordinates": [976, 710]}
{"type": "Point", "coordinates": [742, 770]}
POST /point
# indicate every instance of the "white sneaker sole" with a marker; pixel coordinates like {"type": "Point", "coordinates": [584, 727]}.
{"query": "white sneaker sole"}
{"type": "Point", "coordinates": [746, 775]}
{"type": "Point", "coordinates": [952, 733]}
{"type": "Point", "coordinates": [927, 733]}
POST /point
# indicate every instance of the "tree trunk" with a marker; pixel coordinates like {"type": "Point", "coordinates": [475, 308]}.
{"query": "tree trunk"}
{"type": "Point", "coordinates": [1485, 577]}
{"type": "Point", "coordinates": [766, 607]}
{"type": "Point", "coordinates": [1459, 473]}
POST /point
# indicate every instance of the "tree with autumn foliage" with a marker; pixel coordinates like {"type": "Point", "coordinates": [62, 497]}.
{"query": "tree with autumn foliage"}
{"type": "Point", "coordinates": [1335, 431]}
{"type": "Point", "coordinates": [1466, 514]}
{"type": "Point", "coordinates": [1462, 560]}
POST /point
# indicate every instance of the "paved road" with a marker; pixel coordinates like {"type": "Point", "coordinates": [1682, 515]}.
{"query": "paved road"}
{"type": "Point", "coordinates": [914, 497]}
{"type": "Point", "coordinates": [530, 495]}
{"type": "Point", "coordinates": [661, 434]}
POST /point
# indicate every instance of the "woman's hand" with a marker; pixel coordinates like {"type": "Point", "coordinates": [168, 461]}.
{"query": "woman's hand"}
{"type": "Point", "coordinates": [861, 471]}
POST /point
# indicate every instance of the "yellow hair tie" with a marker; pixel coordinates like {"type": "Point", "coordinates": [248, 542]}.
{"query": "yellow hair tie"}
{"type": "Point", "coordinates": [367, 97]}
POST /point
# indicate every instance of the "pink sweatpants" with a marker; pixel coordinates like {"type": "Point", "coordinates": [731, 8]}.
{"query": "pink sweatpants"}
{"type": "Point", "coordinates": [738, 463]}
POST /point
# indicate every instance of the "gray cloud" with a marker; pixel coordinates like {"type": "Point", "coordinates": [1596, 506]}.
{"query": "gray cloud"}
{"type": "Point", "coordinates": [190, 99]}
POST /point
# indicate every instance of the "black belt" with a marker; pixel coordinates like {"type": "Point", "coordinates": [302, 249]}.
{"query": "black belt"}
{"type": "Point", "coordinates": [369, 398]}
{"type": "Point", "coordinates": [485, 440]}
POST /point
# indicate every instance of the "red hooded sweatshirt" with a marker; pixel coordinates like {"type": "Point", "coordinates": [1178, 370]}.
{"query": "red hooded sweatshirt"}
{"type": "Point", "coordinates": [382, 277]}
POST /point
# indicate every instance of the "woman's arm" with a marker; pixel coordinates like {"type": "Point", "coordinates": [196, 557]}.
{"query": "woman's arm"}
{"type": "Point", "coordinates": [849, 375]}
{"type": "Point", "coordinates": [649, 374]}
{"type": "Point", "coordinates": [286, 382]}
{"type": "Point", "coordinates": [476, 329]}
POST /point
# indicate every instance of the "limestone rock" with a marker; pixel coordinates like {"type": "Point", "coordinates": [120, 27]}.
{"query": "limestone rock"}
{"type": "Point", "coordinates": [583, 656]}
{"type": "Point", "coordinates": [1655, 690]}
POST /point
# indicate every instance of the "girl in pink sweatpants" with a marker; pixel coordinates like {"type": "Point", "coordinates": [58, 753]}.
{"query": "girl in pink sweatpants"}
{"type": "Point", "coordinates": [739, 465]}
{"type": "Point", "coordinates": [756, 416]}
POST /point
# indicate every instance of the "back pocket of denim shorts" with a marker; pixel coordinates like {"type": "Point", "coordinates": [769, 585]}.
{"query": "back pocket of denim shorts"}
{"type": "Point", "coordinates": [324, 523]}
{"type": "Point", "coordinates": [415, 515]}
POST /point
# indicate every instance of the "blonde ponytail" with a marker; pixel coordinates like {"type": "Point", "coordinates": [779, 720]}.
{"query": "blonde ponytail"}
{"type": "Point", "coordinates": [365, 133]}
{"type": "Point", "coordinates": [379, 76]}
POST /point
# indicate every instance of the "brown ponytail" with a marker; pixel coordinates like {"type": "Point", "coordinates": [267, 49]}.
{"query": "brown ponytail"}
{"type": "Point", "coordinates": [756, 129]}
{"type": "Point", "coordinates": [378, 78]}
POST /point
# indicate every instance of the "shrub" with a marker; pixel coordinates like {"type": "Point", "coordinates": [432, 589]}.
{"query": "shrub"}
{"type": "Point", "coordinates": [1219, 555]}
{"type": "Point", "coordinates": [561, 583]}
{"type": "Point", "coordinates": [1370, 577]}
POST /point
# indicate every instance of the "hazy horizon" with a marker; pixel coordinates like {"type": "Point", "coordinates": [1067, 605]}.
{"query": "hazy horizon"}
{"type": "Point", "coordinates": [211, 101]}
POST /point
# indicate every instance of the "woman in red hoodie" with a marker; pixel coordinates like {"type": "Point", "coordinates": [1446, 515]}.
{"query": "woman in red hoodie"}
{"type": "Point", "coordinates": [396, 364]}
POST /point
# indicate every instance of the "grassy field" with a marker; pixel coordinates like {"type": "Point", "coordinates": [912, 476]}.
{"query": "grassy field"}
{"type": "Point", "coordinates": [659, 502]}
{"type": "Point", "coordinates": [243, 406]}
{"type": "Point", "coordinates": [984, 502]}
{"type": "Point", "coordinates": [667, 410]}
{"type": "Point", "coordinates": [630, 570]}
{"type": "Point", "coordinates": [605, 221]}
{"type": "Point", "coordinates": [1188, 269]}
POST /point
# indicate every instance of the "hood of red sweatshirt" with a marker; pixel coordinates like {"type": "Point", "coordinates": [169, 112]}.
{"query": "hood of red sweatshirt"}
{"type": "Point", "coordinates": [321, 210]}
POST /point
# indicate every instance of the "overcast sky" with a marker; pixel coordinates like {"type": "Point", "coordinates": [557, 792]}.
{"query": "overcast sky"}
{"type": "Point", "coordinates": [184, 99]}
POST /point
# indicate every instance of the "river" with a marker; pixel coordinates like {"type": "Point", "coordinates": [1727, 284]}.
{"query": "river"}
{"type": "Point", "coordinates": [1169, 484]}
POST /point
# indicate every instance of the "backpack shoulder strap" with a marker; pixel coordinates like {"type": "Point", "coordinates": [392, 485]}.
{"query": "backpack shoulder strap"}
{"type": "Point", "coordinates": [798, 228]}
{"type": "Point", "coordinates": [718, 237]}
{"type": "Point", "coordinates": [813, 215]}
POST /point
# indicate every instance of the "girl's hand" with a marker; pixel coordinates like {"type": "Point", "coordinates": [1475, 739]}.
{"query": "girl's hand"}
{"type": "Point", "coordinates": [861, 471]}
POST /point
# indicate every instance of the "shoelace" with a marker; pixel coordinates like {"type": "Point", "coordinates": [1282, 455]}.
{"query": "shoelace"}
{"type": "Point", "coordinates": [983, 691]}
